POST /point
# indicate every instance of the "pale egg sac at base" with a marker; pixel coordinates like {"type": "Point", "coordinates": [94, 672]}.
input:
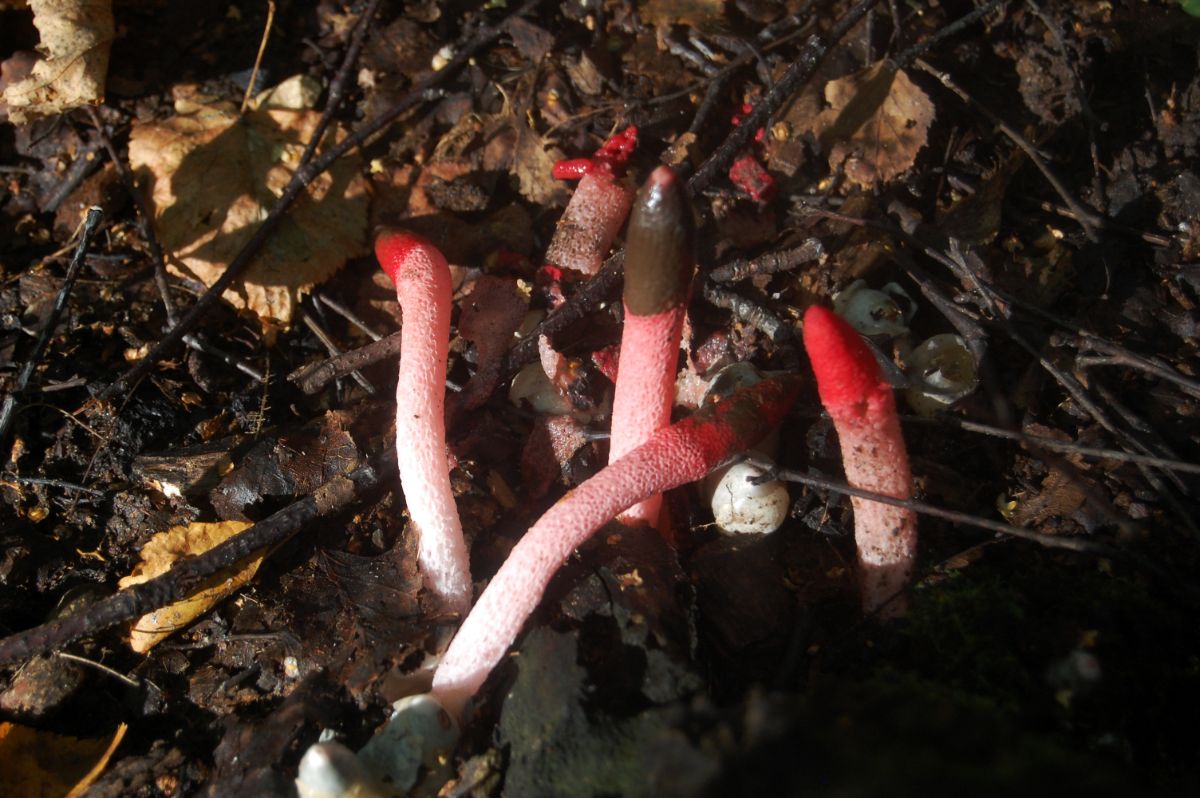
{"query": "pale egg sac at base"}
{"type": "Point", "coordinates": [738, 505]}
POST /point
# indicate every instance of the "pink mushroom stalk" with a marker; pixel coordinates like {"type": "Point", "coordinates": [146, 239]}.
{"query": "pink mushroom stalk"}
{"type": "Point", "coordinates": [423, 288]}
{"type": "Point", "coordinates": [860, 402]}
{"type": "Point", "coordinates": [597, 209]}
{"type": "Point", "coordinates": [660, 261]}
{"type": "Point", "coordinates": [675, 455]}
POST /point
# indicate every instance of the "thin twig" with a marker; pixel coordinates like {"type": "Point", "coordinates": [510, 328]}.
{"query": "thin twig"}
{"type": "Point", "coordinates": [157, 257]}
{"type": "Point", "coordinates": [337, 86]}
{"type": "Point", "coordinates": [9, 406]}
{"type": "Point", "coordinates": [799, 73]}
{"type": "Point", "coordinates": [188, 574]}
{"type": "Point", "coordinates": [773, 262]}
{"type": "Point", "coordinates": [1070, 447]}
{"type": "Point", "coordinates": [748, 311]}
{"type": "Point", "coordinates": [322, 336]}
{"type": "Point", "coordinates": [953, 29]}
{"type": "Point", "coordinates": [604, 285]}
{"type": "Point", "coordinates": [262, 48]}
{"type": "Point", "coordinates": [100, 666]}
{"type": "Point", "coordinates": [1081, 95]}
{"type": "Point", "coordinates": [1050, 541]}
{"type": "Point", "coordinates": [298, 184]}
{"type": "Point", "coordinates": [315, 376]}
{"type": "Point", "coordinates": [347, 314]}
{"type": "Point", "coordinates": [1090, 222]}
{"type": "Point", "coordinates": [1126, 440]}
{"type": "Point", "coordinates": [81, 167]}
{"type": "Point", "coordinates": [53, 483]}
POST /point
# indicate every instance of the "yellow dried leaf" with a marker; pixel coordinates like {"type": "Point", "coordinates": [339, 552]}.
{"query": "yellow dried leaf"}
{"type": "Point", "coordinates": [877, 122]}
{"type": "Point", "coordinates": [76, 36]}
{"type": "Point", "coordinates": [160, 553]}
{"type": "Point", "coordinates": [38, 763]}
{"type": "Point", "coordinates": [214, 175]}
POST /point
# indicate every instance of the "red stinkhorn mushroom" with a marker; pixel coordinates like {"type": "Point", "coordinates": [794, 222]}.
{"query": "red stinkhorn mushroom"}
{"type": "Point", "coordinates": [422, 281]}
{"type": "Point", "coordinates": [860, 402]}
{"type": "Point", "coordinates": [659, 264]}
{"type": "Point", "coordinates": [597, 209]}
{"type": "Point", "coordinates": [673, 456]}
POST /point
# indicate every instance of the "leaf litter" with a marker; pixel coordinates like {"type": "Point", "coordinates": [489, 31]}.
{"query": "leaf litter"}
{"type": "Point", "coordinates": [332, 628]}
{"type": "Point", "coordinates": [212, 174]}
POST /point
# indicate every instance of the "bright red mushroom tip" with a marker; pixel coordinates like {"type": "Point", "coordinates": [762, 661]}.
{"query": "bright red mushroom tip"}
{"type": "Point", "coordinates": [860, 402]}
{"type": "Point", "coordinates": [394, 247]}
{"type": "Point", "coordinates": [572, 168]}
{"type": "Point", "coordinates": [847, 372]}
{"type": "Point", "coordinates": [423, 288]}
{"type": "Point", "coordinates": [615, 153]}
{"type": "Point", "coordinates": [612, 158]}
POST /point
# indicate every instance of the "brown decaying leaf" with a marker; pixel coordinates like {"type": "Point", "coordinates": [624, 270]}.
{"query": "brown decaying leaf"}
{"type": "Point", "coordinates": [76, 36]}
{"type": "Point", "coordinates": [213, 177]}
{"type": "Point", "coordinates": [533, 162]}
{"type": "Point", "coordinates": [877, 122]}
{"type": "Point", "coordinates": [160, 553]}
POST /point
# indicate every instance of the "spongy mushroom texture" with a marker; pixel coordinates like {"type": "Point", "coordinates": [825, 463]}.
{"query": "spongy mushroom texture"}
{"type": "Point", "coordinates": [860, 402]}
{"type": "Point", "coordinates": [590, 223]}
{"type": "Point", "coordinates": [659, 266]}
{"type": "Point", "coordinates": [645, 379]}
{"type": "Point", "coordinates": [675, 455]}
{"type": "Point", "coordinates": [423, 287]}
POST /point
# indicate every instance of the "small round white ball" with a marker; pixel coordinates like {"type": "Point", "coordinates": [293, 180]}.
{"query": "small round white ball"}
{"type": "Point", "coordinates": [331, 770]}
{"type": "Point", "coordinates": [741, 507]}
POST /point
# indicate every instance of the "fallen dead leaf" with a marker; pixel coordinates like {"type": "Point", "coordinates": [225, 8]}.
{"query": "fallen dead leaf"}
{"type": "Point", "coordinates": [164, 550]}
{"type": "Point", "coordinates": [975, 219]}
{"type": "Point", "coordinates": [877, 122]}
{"type": "Point", "coordinates": [489, 317]}
{"type": "Point", "coordinates": [704, 14]}
{"type": "Point", "coordinates": [47, 765]}
{"type": "Point", "coordinates": [76, 36]}
{"type": "Point", "coordinates": [213, 177]}
{"type": "Point", "coordinates": [533, 162]}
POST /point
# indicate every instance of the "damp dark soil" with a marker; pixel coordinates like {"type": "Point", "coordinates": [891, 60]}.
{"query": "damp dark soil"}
{"type": "Point", "coordinates": [1020, 174]}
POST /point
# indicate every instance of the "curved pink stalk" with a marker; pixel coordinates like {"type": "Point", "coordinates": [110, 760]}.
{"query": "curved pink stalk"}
{"type": "Point", "coordinates": [659, 264]}
{"type": "Point", "coordinates": [422, 281]}
{"type": "Point", "coordinates": [673, 456]}
{"type": "Point", "coordinates": [863, 410]}
{"type": "Point", "coordinates": [597, 209]}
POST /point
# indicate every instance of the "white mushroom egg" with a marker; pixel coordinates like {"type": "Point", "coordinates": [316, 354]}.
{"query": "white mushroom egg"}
{"type": "Point", "coordinates": [873, 312]}
{"type": "Point", "coordinates": [941, 371]}
{"type": "Point", "coordinates": [531, 385]}
{"type": "Point", "coordinates": [743, 508]}
{"type": "Point", "coordinates": [331, 770]}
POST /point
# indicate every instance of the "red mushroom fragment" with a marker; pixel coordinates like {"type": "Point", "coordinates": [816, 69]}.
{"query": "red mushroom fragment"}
{"type": "Point", "coordinates": [659, 263]}
{"type": "Point", "coordinates": [673, 456]}
{"type": "Point", "coordinates": [597, 209]}
{"type": "Point", "coordinates": [422, 281]}
{"type": "Point", "coordinates": [860, 402]}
